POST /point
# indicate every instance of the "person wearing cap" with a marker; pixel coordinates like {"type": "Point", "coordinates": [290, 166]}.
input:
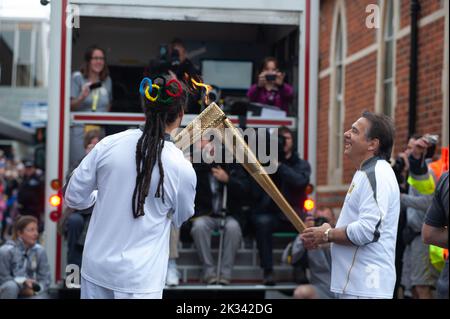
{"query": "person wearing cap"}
{"type": "Point", "coordinates": [30, 197]}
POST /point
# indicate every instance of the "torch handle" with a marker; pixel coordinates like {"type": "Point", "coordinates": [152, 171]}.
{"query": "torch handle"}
{"type": "Point", "coordinates": [255, 169]}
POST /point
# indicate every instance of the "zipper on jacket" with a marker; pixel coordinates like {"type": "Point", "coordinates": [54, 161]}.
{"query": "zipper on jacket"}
{"type": "Point", "coordinates": [349, 271]}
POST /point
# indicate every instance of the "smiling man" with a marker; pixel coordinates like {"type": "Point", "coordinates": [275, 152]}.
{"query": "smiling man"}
{"type": "Point", "coordinates": [363, 242]}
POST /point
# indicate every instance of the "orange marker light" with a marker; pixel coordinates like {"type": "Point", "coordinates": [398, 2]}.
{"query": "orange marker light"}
{"type": "Point", "coordinates": [309, 204]}
{"type": "Point", "coordinates": [309, 189]}
{"type": "Point", "coordinates": [55, 184]}
{"type": "Point", "coordinates": [55, 200]}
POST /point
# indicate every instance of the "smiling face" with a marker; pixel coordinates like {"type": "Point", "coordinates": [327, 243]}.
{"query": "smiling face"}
{"type": "Point", "coordinates": [30, 234]}
{"type": "Point", "coordinates": [97, 62]}
{"type": "Point", "coordinates": [356, 145]}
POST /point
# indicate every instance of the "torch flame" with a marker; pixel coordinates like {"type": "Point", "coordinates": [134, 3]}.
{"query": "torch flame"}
{"type": "Point", "coordinates": [207, 87]}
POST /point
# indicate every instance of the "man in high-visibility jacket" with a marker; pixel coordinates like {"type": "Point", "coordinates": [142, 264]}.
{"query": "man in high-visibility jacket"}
{"type": "Point", "coordinates": [418, 274]}
{"type": "Point", "coordinates": [435, 230]}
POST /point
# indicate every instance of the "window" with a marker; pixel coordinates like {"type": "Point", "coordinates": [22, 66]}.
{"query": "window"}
{"type": "Point", "coordinates": [20, 55]}
{"type": "Point", "coordinates": [339, 89]}
{"type": "Point", "coordinates": [389, 51]}
{"type": "Point", "coordinates": [337, 107]}
{"type": "Point", "coordinates": [236, 75]}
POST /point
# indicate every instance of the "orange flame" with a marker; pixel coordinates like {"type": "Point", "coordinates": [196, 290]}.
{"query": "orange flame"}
{"type": "Point", "coordinates": [207, 87]}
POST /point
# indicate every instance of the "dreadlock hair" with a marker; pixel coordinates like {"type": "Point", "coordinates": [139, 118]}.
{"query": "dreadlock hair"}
{"type": "Point", "coordinates": [158, 114]}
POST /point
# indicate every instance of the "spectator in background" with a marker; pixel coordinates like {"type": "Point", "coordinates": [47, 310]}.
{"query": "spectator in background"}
{"type": "Point", "coordinates": [24, 268]}
{"type": "Point", "coordinates": [74, 223]}
{"type": "Point", "coordinates": [318, 260]}
{"type": "Point", "coordinates": [418, 274]}
{"type": "Point", "coordinates": [271, 88]}
{"type": "Point", "coordinates": [31, 193]}
{"type": "Point", "coordinates": [181, 66]}
{"type": "Point", "coordinates": [11, 184]}
{"type": "Point", "coordinates": [3, 198]}
{"type": "Point", "coordinates": [401, 170]}
{"type": "Point", "coordinates": [220, 195]}
{"type": "Point", "coordinates": [435, 229]}
{"type": "Point", "coordinates": [291, 178]}
{"type": "Point", "coordinates": [90, 91]}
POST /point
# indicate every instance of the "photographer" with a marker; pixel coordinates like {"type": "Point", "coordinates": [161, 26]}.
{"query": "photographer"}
{"type": "Point", "coordinates": [214, 211]}
{"type": "Point", "coordinates": [401, 170]}
{"type": "Point", "coordinates": [291, 178]}
{"type": "Point", "coordinates": [173, 60]}
{"type": "Point", "coordinates": [318, 260]}
{"type": "Point", "coordinates": [90, 91]}
{"type": "Point", "coordinates": [271, 88]}
{"type": "Point", "coordinates": [418, 274]}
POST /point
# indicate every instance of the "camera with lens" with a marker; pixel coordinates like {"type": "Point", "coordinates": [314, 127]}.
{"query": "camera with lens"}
{"type": "Point", "coordinates": [319, 221]}
{"type": "Point", "coordinates": [399, 165]}
{"type": "Point", "coordinates": [271, 77]}
{"type": "Point", "coordinates": [36, 287]}
{"type": "Point", "coordinates": [432, 140]}
{"type": "Point", "coordinates": [166, 61]}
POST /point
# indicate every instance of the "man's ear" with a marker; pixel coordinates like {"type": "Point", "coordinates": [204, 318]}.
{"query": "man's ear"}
{"type": "Point", "coordinates": [374, 145]}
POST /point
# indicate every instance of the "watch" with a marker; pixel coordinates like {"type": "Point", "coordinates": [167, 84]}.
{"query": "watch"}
{"type": "Point", "coordinates": [327, 236]}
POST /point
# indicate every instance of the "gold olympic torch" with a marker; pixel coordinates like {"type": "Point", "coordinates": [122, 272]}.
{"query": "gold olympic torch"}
{"type": "Point", "coordinates": [214, 118]}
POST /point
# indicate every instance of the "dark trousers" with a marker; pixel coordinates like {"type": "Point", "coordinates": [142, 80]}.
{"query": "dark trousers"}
{"type": "Point", "coordinates": [264, 225]}
{"type": "Point", "coordinates": [74, 227]}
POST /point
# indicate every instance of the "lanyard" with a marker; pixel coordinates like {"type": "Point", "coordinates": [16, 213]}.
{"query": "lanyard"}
{"type": "Point", "coordinates": [95, 96]}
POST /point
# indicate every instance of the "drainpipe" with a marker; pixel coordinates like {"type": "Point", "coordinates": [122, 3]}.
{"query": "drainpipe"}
{"type": "Point", "coordinates": [414, 50]}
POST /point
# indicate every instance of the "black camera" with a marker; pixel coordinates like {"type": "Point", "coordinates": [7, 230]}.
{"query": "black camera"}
{"type": "Point", "coordinates": [271, 77]}
{"type": "Point", "coordinates": [319, 221]}
{"type": "Point", "coordinates": [36, 287]}
{"type": "Point", "coordinates": [432, 140]}
{"type": "Point", "coordinates": [399, 165]}
{"type": "Point", "coordinates": [167, 61]}
{"type": "Point", "coordinates": [95, 85]}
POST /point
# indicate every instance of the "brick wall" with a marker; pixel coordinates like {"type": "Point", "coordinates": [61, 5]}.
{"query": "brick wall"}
{"type": "Point", "coordinates": [358, 35]}
{"type": "Point", "coordinates": [361, 76]}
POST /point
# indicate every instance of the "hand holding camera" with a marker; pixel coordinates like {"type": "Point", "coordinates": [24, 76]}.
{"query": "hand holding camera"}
{"type": "Point", "coordinates": [85, 90]}
{"type": "Point", "coordinates": [279, 78]}
{"type": "Point", "coordinates": [421, 145]}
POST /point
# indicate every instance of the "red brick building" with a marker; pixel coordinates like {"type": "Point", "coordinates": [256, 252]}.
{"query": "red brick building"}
{"type": "Point", "coordinates": [364, 64]}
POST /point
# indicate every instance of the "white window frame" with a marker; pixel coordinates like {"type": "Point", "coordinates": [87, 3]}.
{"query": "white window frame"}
{"type": "Point", "coordinates": [336, 121]}
{"type": "Point", "coordinates": [381, 58]}
{"type": "Point", "coordinates": [445, 81]}
{"type": "Point", "coordinates": [15, 27]}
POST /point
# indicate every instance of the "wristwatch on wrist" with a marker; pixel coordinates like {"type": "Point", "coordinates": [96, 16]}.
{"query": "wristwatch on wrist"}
{"type": "Point", "coordinates": [327, 237]}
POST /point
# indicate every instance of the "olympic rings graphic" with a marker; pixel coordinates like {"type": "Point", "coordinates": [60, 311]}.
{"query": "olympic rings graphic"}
{"type": "Point", "coordinates": [141, 86]}
{"type": "Point", "coordinates": [162, 90]}
{"type": "Point", "coordinates": [180, 89]}
{"type": "Point", "coordinates": [148, 96]}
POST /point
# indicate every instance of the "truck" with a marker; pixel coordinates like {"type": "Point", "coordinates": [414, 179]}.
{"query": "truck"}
{"type": "Point", "coordinates": [228, 37]}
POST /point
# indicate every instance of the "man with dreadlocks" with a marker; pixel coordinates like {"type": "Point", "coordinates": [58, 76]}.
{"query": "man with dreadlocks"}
{"type": "Point", "coordinates": [140, 183]}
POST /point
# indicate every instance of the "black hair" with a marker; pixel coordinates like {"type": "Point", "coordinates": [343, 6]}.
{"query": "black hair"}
{"type": "Point", "coordinates": [381, 128]}
{"type": "Point", "coordinates": [284, 129]}
{"type": "Point", "coordinates": [149, 147]}
{"type": "Point", "coordinates": [267, 61]}
{"type": "Point", "coordinates": [177, 41]}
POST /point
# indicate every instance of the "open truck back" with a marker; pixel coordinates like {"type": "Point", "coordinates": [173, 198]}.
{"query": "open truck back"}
{"type": "Point", "coordinates": [132, 33]}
